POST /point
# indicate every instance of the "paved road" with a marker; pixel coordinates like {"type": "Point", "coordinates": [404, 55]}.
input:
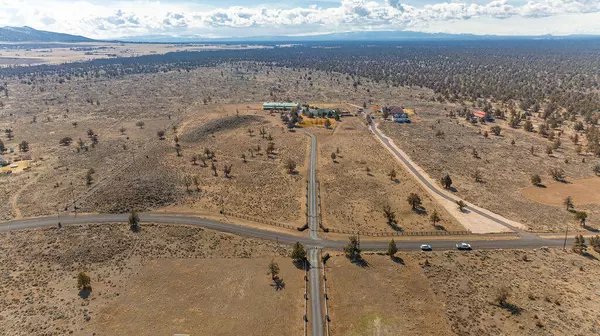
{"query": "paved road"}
{"type": "Point", "coordinates": [412, 245]}
{"type": "Point", "coordinates": [316, 304]}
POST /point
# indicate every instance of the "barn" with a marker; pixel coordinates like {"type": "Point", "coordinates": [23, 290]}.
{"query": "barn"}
{"type": "Point", "coordinates": [280, 106]}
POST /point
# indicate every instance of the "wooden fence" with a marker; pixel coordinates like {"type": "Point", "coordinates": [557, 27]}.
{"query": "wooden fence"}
{"type": "Point", "coordinates": [403, 233]}
{"type": "Point", "coordinates": [260, 220]}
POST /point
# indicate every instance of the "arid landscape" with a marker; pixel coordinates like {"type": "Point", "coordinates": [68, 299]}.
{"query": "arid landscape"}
{"type": "Point", "coordinates": [254, 189]}
{"type": "Point", "coordinates": [129, 271]}
{"type": "Point", "coordinates": [12, 54]}
{"type": "Point", "coordinates": [356, 187]}
{"type": "Point", "coordinates": [547, 291]}
{"type": "Point", "coordinates": [505, 168]}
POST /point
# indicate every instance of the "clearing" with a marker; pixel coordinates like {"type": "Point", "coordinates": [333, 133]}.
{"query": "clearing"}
{"type": "Point", "coordinates": [184, 270]}
{"type": "Point", "coordinates": [584, 191]}
{"type": "Point", "coordinates": [383, 298]}
{"type": "Point", "coordinates": [207, 297]}
{"type": "Point", "coordinates": [353, 198]}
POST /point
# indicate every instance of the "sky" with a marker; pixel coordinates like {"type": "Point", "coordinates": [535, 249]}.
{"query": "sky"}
{"type": "Point", "coordinates": [240, 18]}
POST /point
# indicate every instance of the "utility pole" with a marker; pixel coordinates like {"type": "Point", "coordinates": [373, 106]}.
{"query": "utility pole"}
{"type": "Point", "coordinates": [73, 197]}
{"type": "Point", "coordinates": [566, 230]}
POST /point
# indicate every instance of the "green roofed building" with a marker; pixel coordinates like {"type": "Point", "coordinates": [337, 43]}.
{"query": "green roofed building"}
{"type": "Point", "coordinates": [280, 106]}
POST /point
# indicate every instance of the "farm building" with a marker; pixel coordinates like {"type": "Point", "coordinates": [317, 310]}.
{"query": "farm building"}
{"type": "Point", "coordinates": [480, 115]}
{"type": "Point", "coordinates": [400, 117]}
{"type": "Point", "coordinates": [395, 109]}
{"type": "Point", "coordinates": [280, 106]}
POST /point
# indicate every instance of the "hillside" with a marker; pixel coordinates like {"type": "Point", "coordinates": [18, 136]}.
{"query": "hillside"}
{"type": "Point", "coordinates": [28, 34]}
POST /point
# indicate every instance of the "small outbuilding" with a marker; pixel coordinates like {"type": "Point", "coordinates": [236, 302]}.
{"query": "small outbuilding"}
{"type": "Point", "coordinates": [3, 161]}
{"type": "Point", "coordinates": [480, 115]}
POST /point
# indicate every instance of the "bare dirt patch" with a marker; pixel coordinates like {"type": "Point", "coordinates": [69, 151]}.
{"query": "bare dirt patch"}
{"type": "Point", "coordinates": [383, 298]}
{"type": "Point", "coordinates": [353, 199]}
{"type": "Point", "coordinates": [38, 293]}
{"type": "Point", "coordinates": [202, 297]}
{"type": "Point", "coordinates": [549, 292]}
{"type": "Point", "coordinates": [585, 191]}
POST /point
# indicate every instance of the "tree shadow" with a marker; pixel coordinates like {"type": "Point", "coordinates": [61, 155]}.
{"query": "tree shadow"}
{"type": "Point", "coordinates": [589, 256]}
{"type": "Point", "coordinates": [540, 185]}
{"type": "Point", "coordinates": [278, 284]}
{"type": "Point", "coordinates": [84, 293]}
{"type": "Point", "coordinates": [396, 228]}
{"type": "Point", "coordinates": [511, 307]}
{"type": "Point", "coordinates": [300, 264]}
{"type": "Point", "coordinates": [397, 260]}
{"type": "Point", "coordinates": [360, 262]}
{"type": "Point", "coordinates": [420, 210]}
{"type": "Point", "coordinates": [589, 228]}
{"type": "Point", "coordinates": [452, 189]}
{"type": "Point", "coordinates": [465, 210]}
{"type": "Point", "coordinates": [440, 227]}
{"type": "Point", "coordinates": [397, 181]}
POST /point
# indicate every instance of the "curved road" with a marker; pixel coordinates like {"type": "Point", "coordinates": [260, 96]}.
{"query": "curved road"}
{"type": "Point", "coordinates": [365, 244]}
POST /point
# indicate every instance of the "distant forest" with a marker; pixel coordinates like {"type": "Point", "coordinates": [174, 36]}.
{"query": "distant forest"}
{"type": "Point", "coordinates": [561, 76]}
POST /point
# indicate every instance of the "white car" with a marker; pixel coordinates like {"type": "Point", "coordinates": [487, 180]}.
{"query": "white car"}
{"type": "Point", "coordinates": [426, 247]}
{"type": "Point", "coordinates": [463, 246]}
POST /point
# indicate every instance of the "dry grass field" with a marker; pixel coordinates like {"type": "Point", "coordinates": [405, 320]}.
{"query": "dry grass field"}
{"type": "Point", "coordinates": [353, 199]}
{"type": "Point", "coordinates": [134, 169]}
{"type": "Point", "coordinates": [56, 53]}
{"type": "Point", "coordinates": [549, 291]}
{"type": "Point", "coordinates": [207, 297]}
{"type": "Point", "coordinates": [384, 298]}
{"type": "Point", "coordinates": [159, 281]}
{"type": "Point", "coordinates": [441, 145]}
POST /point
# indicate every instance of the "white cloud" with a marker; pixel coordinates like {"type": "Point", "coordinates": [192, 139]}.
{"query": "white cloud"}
{"type": "Point", "coordinates": [122, 18]}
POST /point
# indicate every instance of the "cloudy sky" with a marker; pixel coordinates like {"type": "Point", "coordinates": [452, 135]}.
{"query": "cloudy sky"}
{"type": "Point", "coordinates": [226, 18]}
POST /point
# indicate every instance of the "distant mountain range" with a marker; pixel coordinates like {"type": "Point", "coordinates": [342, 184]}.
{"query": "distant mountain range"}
{"type": "Point", "coordinates": [28, 34]}
{"type": "Point", "coordinates": [373, 36]}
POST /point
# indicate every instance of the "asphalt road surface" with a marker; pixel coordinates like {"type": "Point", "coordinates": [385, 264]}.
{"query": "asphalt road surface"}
{"type": "Point", "coordinates": [316, 304]}
{"type": "Point", "coordinates": [412, 245]}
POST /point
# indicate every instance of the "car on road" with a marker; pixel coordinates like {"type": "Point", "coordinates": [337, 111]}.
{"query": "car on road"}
{"type": "Point", "coordinates": [463, 246]}
{"type": "Point", "coordinates": [426, 247]}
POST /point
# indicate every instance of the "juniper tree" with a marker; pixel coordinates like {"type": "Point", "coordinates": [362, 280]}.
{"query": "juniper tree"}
{"type": "Point", "coordinates": [568, 203]}
{"type": "Point", "coordinates": [536, 180]}
{"type": "Point", "coordinates": [352, 250]}
{"type": "Point", "coordinates": [134, 221]}
{"type": "Point", "coordinates": [273, 269]}
{"type": "Point", "coordinates": [390, 215]}
{"type": "Point", "coordinates": [581, 216]}
{"type": "Point", "coordinates": [434, 217]}
{"type": "Point", "coordinates": [392, 248]}
{"type": "Point", "coordinates": [414, 200]}
{"type": "Point", "coordinates": [298, 252]}
{"type": "Point", "coordinates": [579, 245]}
{"type": "Point", "coordinates": [392, 174]}
{"type": "Point", "coordinates": [83, 281]}
{"type": "Point", "coordinates": [447, 181]}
